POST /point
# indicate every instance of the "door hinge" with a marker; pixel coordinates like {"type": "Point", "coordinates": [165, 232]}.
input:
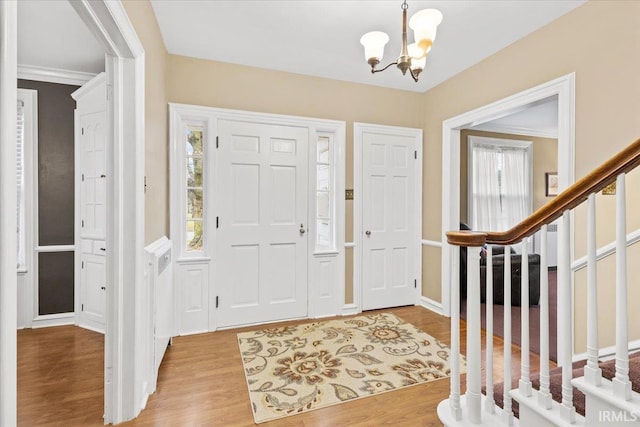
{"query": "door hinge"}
{"type": "Point", "coordinates": [82, 264]}
{"type": "Point", "coordinates": [217, 142]}
{"type": "Point", "coordinates": [217, 222]}
{"type": "Point", "coordinates": [217, 301]}
{"type": "Point", "coordinates": [415, 154]}
{"type": "Point", "coordinates": [145, 184]}
{"type": "Point", "coordinates": [82, 307]}
{"type": "Point", "coordinates": [415, 283]}
{"type": "Point", "coordinates": [82, 131]}
{"type": "Point", "coordinates": [82, 223]}
{"type": "Point", "coordinates": [82, 177]}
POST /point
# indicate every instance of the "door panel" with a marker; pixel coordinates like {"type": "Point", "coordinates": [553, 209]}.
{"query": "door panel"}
{"type": "Point", "coordinates": [388, 220]}
{"type": "Point", "coordinates": [93, 291]}
{"type": "Point", "coordinates": [262, 265]}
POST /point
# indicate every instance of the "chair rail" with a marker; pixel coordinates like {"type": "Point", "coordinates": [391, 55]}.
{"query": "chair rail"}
{"type": "Point", "coordinates": [623, 162]}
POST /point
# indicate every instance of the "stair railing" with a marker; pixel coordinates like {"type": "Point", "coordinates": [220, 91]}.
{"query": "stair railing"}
{"type": "Point", "coordinates": [461, 409]}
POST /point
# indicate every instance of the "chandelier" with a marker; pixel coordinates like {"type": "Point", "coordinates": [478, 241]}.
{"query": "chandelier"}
{"type": "Point", "coordinates": [412, 57]}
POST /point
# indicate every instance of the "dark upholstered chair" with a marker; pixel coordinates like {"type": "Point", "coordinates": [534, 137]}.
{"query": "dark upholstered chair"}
{"type": "Point", "coordinates": [498, 275]}
{"type": "Point", "coordinates": [516, 277]}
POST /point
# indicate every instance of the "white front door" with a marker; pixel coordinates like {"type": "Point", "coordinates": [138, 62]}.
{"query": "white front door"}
{"type": "Point", "coordinates": [388, 219]}
{"type": "Point", "coordinates": [93, 220]}
{"type": "Point", "coordinates": [262, 231]}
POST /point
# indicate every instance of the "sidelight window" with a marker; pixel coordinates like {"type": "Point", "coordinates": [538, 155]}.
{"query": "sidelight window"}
{"type": "Point", "coordinates": [194, 188]}
{"type": "Point", "coordinates": [325, 227]}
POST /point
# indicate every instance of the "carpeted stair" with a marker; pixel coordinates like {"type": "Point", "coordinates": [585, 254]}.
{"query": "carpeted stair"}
{"type": "Point", "coordinates": [555, 379]}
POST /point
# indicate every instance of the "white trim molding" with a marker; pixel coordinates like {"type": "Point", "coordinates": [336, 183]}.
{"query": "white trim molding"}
{"type": "Point", "coordinates": [430, 304]}
{"type": "Point", "coordinates": [58, 319]}
{"type": "Point", "coordinates": [606, 250]}
{"type": "Point", "coordinates": [562, 87]}
{"type": "Point", "coordinates": [8, 237]}
{"type": "Point", "coordinates": [53, 75]}
{"type": "Point", "coordinates": [350, 309]}
{"type": "Point", "coordinates": [431, 243]}
{"type": "Point", "coordinates": [126, 332]}
{"type": "Point", "coordinates": [518, 130]}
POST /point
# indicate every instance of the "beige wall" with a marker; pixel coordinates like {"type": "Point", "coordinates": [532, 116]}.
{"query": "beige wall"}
{"type": "Point", "coordinates": [223, 85]}
{"type": "Point", "coordinates": [156, 142]}
{"type": "Point", "coordinates": [607, 90]}
{"type": "Point", "coordinates": [545, 159]}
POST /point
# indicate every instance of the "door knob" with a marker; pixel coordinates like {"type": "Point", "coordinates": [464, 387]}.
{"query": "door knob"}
{"type": "Point", "coordinates": [103, 288]}
{"type": "Point", "coordinates": [302, 230]}
{"type": "Point", "coordinates": [368, 233]}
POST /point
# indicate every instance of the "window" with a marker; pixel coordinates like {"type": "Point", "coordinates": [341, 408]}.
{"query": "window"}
{"type": "Point", "coordinates": [500, 193]}
{"type": "Point", "coordinates": [194, 185]}
{"type": "Point", "coordinates": [20, 209]}
{"type": "Point", "coordinates": [324, 194]}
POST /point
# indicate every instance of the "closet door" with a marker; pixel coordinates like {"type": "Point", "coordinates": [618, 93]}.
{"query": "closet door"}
{"type": "Point", "coordinates": [91, 162]}
{"type": "Point", "coordinates": [262, 235]}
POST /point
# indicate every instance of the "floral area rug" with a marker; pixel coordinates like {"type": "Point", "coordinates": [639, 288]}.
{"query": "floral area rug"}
{"type": "Point", "coordinates": [296, 369]}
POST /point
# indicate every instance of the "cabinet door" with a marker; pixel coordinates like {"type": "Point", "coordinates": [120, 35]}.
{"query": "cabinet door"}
{"type": "Point", "coordinates": [92, 292]}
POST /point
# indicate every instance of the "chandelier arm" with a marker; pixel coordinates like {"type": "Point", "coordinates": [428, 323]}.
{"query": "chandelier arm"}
{"type": "Point", "coordinates": [414, 75]}
{"type": "Point", "coordinates": [373, 70]}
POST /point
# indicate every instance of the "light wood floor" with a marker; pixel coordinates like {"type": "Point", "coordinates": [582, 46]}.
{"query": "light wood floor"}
{"type": "Point", "coordinates": [202, 383]}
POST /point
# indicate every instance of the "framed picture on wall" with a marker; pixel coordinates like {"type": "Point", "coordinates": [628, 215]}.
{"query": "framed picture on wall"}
{"type": "Point", "coordinates": [551, 184]}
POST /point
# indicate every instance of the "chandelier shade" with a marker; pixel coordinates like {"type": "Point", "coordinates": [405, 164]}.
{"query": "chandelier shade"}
{"type": "Point", "coordinates": [374, 43]}
{"type": "Point", "coordinates": [425, 26]}
{"type": "Point", "coordinates": [413, 57]}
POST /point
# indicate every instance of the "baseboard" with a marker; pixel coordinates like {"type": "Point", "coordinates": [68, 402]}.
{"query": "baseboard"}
{"type": "Point", "coordinates": [607, 353]}
{"type": "Point", "coordinates": [350, 309]}
{"type": "Point", "coordinates": [50, 320]}
{"type": "Point", "coordinates": [431, 305]}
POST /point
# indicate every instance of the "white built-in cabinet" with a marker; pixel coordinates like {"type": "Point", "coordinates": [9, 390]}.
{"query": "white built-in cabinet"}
{"type": "Point", "coordinates": [257, 217]}
{"type": "Point", "coordinates": [91, 186]}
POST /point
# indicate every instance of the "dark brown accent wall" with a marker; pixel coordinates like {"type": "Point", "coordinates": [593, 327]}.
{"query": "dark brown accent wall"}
{"type": "Point", "coordinates": [55, 161]}
{"type": "Point", "coordinates": [55, 282]}
{"type": "Point", "coordinates": [55, 194]}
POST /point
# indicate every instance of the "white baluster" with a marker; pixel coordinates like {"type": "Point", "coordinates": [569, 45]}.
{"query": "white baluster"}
{"type": "Point", "coordinates": [474, 349]}
{"type": "Point", "coordinates": [592, 372]}
{"type": "Point", "coordinates": [490, 406]}
{"type": "Point", "coordinates": [621, 383]}
{"type": "Point", "coordinates": [565, 314]}
{"type": "Point", "coordinates": [525, 382]}
{"type": "Point", "coordinates": [507, 413]}
{"type": "Point", "coordinates": [544, 397]}
{"type": "Point", "coordinates": [454, 397]}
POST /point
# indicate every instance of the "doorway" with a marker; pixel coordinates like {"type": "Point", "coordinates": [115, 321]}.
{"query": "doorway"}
{"type": "Point", "coordinates": [125, 74]}
{"type": "Point", "coordinates": [564, 89]}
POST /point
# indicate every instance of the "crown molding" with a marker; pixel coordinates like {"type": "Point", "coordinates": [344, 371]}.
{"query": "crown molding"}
{"type": "Point", "coordinates": [53, 75]}
{"type": "Point", "coordinates": [517, 130]}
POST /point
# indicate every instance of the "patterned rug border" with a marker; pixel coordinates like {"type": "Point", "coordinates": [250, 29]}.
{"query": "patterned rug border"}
{"type": "Point", "coordinates": [327, 405]}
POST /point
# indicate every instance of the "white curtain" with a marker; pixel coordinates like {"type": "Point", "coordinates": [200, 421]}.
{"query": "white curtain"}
{"type": "Point", "coordinates": [515, 188]}
{"type": "Point", "coordinates": [500, 189]}
{"type": "Point", "coordinates": [485, 201]}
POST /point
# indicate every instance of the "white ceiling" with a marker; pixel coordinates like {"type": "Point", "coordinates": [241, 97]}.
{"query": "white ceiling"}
{"type": "Point", "coordinates": [52, 35]}
{"type": "Point", "coordinates": [318, 38]}
{"type": "Point", "coordinates": [321, 37]}
{"type": "Point", "coordinates": [538, 119]}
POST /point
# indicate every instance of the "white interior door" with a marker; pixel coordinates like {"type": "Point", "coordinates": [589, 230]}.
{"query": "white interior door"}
{"type": "Point", "coordinates": [388, 220]}
{"type": "Point", "coordinates": [262, 237]}
{"type": "Point", "coordinates": [93, 220]}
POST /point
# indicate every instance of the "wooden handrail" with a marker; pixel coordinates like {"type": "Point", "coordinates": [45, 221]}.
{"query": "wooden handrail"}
{"type": "Point", "coordinates": [623, 162]}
